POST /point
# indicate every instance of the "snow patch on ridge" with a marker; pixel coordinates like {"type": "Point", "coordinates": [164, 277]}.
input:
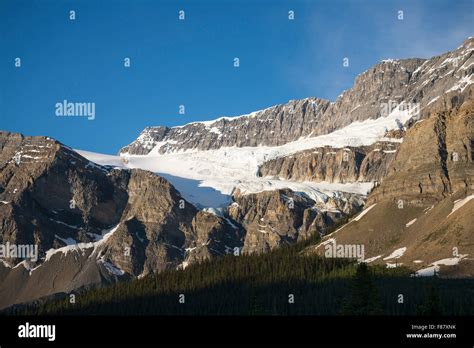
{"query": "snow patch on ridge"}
{"type": "Point", "coordinates": [106, 234]}
{"type": "Point", "coordinates": [113, 269]}
{"type": "Point", "coordinates": [460, 202]}
{"type": "Point", "coordinates": [396, 254]}
{"type": "Point", "coordinates": [434, 267]}
{"type": "Point", "coordinates": [361, 215]}
{"type": "Point", "coordinates": [67, 241]}
{"type": "Point", "coordinates": [372, 259]}
{"type": "Point", "coordinates": [462, 84]}
{"type": "Point", "coordinates": [210, 123]}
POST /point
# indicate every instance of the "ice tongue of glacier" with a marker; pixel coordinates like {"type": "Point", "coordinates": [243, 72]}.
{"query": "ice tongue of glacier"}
{"type": "Point", "coordinates": [208, 178]}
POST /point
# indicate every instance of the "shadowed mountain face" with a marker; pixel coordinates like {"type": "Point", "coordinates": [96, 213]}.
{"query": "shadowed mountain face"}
{"type": "Point", "coordinates": [92, 222]}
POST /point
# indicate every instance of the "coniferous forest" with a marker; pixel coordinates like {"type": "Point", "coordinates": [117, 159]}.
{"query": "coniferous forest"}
{"type": "Point", "coordinates": [281, 282]}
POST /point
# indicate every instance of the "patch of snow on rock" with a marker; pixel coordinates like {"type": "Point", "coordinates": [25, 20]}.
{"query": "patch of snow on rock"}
{"type": "Point", "coordinates": [396, 254]}
{"type": "Point", "coordinates": [361, 215]}
{"type": "Point", "coordinates": [460, 202]}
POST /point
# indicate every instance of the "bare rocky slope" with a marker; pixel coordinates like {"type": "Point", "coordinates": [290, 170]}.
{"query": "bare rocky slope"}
{"type": "Point", "coordinates": [436, 157]}
{"type": "Point", "coordinates": [421, 215]}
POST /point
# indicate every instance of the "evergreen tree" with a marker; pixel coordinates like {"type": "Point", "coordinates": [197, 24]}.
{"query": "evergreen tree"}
{"type": "Point", "coordinates": [364, 297]}
{"type": "Point", "coordinates": [432, 303]}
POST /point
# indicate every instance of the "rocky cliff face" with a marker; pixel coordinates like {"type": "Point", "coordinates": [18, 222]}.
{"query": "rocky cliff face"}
{"type": "Point", "coordinates": [392, 81]}
{"type": "Point", "coordinates": [421, 214]}
{"type": "Point", "coordinates": [334, 165]}
{"type": "Point", "coordinates": [273, 218]}
{"type": "Point", "coordinates": [126, 222]}
{"type": "Point", "coordinates": [435, 160]}
{"type": "Point", "coordinates": [46, 189]}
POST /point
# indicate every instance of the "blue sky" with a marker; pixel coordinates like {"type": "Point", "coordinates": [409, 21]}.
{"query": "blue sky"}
{"type": "Point", "coordinates": [191, 62]}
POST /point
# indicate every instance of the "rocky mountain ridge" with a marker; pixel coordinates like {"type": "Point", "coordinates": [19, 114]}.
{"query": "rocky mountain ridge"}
{"type": "Point", "coordinates": [416, 82]}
